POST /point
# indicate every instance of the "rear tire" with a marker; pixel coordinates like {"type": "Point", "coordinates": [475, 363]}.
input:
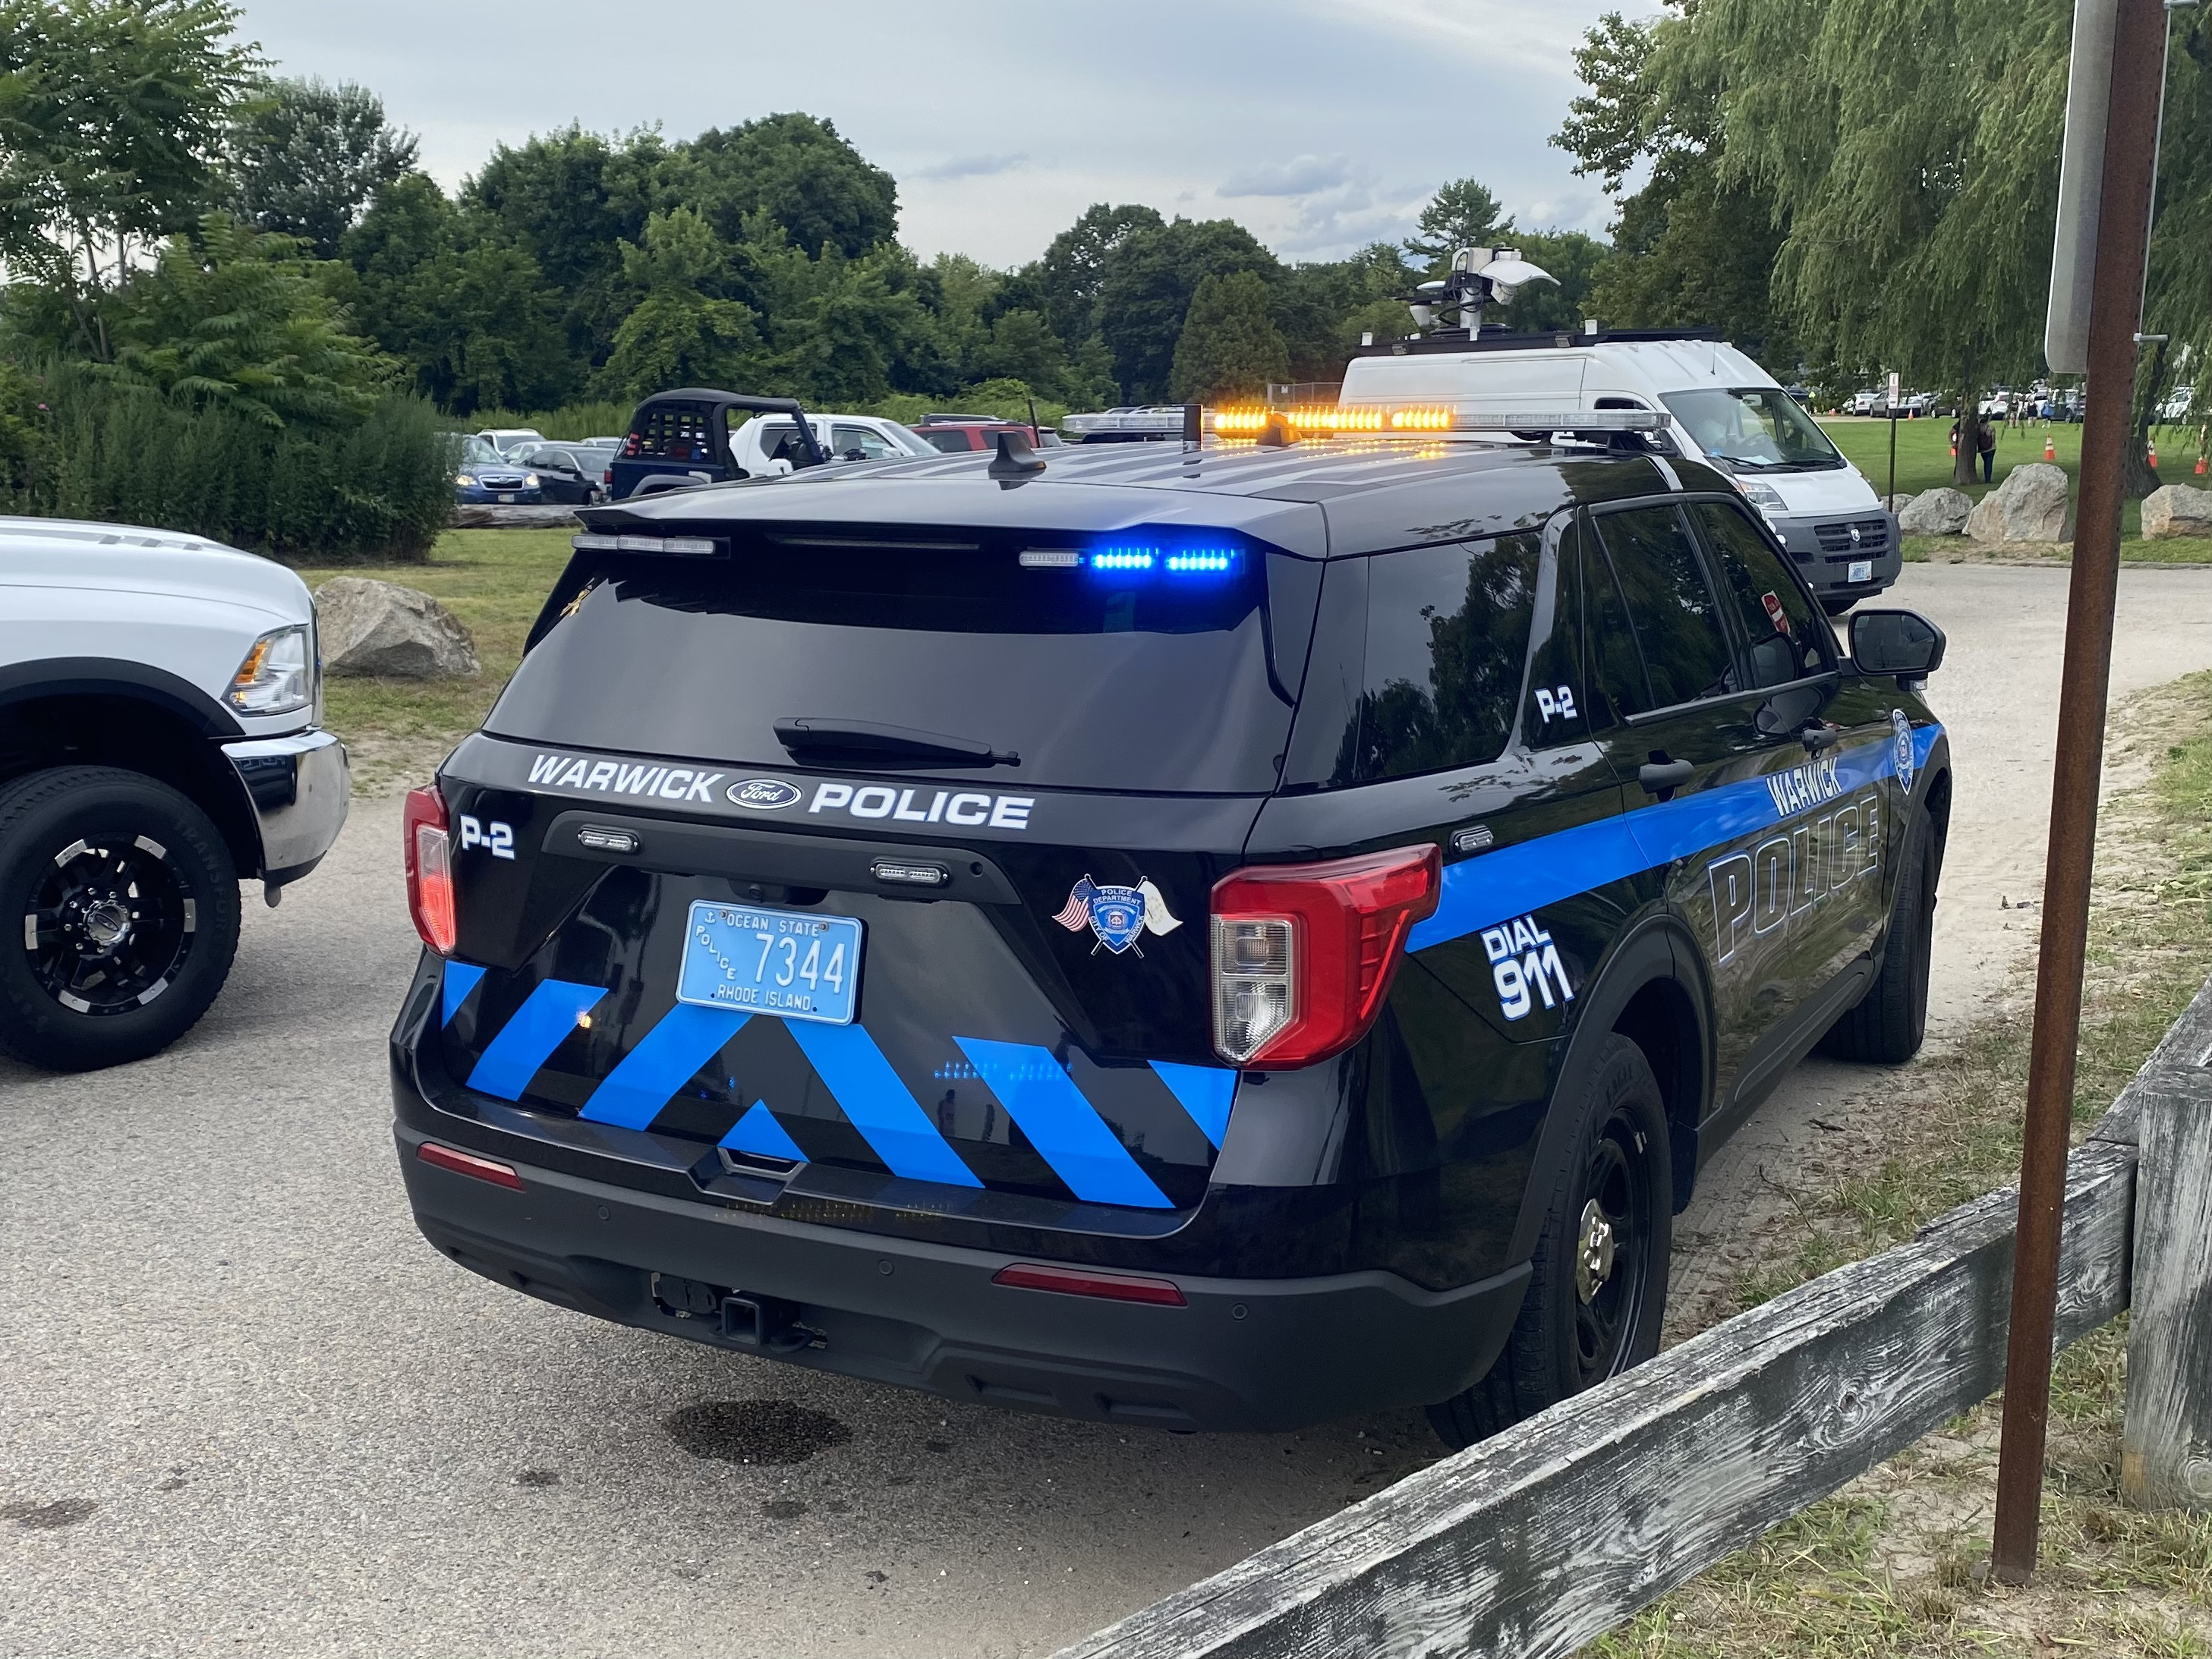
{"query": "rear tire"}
{"type": "Point", "coordinates": [1890, 1020]}
{"type": "Point", "coordinates": [119, 903]}
{"type": "Point", "coordinates": [1596, 1294]}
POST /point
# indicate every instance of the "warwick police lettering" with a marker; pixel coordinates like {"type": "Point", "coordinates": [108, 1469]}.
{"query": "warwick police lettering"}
{"type": "Point", "coordinates": [1805, 786]}
{"type": "Point", "coordinates": [1754, 893]}
{"type": "Point", "coordinates": [641, 781]}
{"type": "Point", "coordinates": [637, 779]}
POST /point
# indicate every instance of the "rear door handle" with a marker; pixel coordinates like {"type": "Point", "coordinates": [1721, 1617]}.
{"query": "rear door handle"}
{"type": "Point", "coordinates": [1659, 775]}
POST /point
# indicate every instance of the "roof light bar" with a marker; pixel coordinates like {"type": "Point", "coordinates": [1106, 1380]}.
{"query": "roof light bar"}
{"type": "Point", "coordinates": [1324, 418]}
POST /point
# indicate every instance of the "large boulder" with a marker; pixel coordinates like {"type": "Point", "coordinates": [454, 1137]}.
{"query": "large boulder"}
{"type": "Point", "coordinates": [381, 628]}
{"type": "Point", "coordinates": [1935, 513]}
{"type": "Point", "coordinates": [2177, 510]}
{"type": "Point", "coordinates": [472, 515]}
{"type": "Point", "coordinates": [2032, 505]}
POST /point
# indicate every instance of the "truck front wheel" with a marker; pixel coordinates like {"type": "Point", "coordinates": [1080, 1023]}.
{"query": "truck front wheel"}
{"type": "Point", "coordinates": [119, 903]}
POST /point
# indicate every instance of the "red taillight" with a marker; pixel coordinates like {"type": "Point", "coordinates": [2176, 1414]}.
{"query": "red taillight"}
{"type": "Point", "coordinates": [607, 478]}
{"type": "Point", "coordinates": [428, 854]}
{"type": "Point", "coordinates": [1086, 1281]}
{"type": "Point", "coordinates": [630, 447]}
{"type": "Point", "coordinates": [1303, 953]}
{"type": "Point", "coordinates": [468, 1164]}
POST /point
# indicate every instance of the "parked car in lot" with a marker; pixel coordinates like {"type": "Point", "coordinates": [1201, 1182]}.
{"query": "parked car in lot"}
{"type": "Point", "coordinates": [567, 472]}
{"type": "Point", "coordinates": [2175, 409]}
{"type": "Point", "coordinates": [955, 434]}
{"type": "Point", "coordinates": [483, 475]}
{"type": "Point", "coordinates": [1218, 945]}
{"type": "Point", "coordinates": [697, 435]}
{"type": "Point", "coordinates": [506, 439]}
{"type": "Point", "coordinates": [161, 698]}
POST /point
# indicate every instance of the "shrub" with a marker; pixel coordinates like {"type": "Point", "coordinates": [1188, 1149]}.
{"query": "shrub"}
{"type": "Point", "coordinates": [379, 487]}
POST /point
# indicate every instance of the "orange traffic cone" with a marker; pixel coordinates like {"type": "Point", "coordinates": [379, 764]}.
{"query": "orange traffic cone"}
{"type": "Point", "coordinates": [2154, 455]}
{"type": "Point", "coordinates": [2049, 449]}
{"type": "Point", "coordinates": [2200, 466]}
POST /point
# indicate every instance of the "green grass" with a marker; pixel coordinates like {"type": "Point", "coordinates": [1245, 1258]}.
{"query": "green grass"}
{"type": "Point", "coordinates": [494, 581]}
{"type": "Point", "coordinates": [2113, 1580]}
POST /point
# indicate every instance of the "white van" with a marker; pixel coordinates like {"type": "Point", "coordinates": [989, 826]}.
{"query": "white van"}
{"type": "Point", "coordinates": [1723, 406]}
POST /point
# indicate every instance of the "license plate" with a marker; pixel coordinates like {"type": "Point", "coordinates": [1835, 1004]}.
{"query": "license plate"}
{"type": "Point", "coordinates": [794, 965]}
{"type": "Point", "coordinates": [507, 498]}
{"type": "Point", "coordinates": [1859, 570]}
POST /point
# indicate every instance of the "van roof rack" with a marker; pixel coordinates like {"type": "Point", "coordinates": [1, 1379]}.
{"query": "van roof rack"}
{"type": "Point", "coordinates": [1455, 341]}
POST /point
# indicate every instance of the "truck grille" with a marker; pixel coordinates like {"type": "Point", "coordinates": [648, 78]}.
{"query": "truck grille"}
{"type": "Point", "coordinates": [1837, 543]}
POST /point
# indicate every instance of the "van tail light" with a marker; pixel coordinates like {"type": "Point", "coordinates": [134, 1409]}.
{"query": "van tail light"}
{"type": "Point", "coordinates": [1303, 953]}
{"type": "Point", "coordinates": [429, 856]}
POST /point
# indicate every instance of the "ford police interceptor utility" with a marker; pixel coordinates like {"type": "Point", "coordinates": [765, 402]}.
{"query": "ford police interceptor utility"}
{"type": "Point", "coordinates": [1210, 935]}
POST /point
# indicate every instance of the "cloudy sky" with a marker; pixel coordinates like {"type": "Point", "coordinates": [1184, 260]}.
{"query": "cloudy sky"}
{"type": "Point", "coordinates": [1321, 124]}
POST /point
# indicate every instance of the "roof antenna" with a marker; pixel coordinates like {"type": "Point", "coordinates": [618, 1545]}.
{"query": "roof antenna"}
{"type": "Point", "coordinates": [1036, 437]}
{"type": "Point", "coordinates": [1016, 462]}
{"type": "Point", "coordinates": [1194, 425]}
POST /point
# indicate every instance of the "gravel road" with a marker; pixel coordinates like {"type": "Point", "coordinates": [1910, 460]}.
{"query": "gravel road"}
{"type": "Point", "coordinates": [245, 1409]}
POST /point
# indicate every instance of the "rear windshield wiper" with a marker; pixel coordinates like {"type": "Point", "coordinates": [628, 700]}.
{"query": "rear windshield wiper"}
{"type": "Point", "coordinates": [894, 745]}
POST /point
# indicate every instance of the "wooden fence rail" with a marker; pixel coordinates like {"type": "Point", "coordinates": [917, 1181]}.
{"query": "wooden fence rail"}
{"type": "Point", "coordinates": [1535, 1542]}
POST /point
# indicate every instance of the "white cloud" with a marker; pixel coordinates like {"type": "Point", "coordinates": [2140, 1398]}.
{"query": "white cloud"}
{"type": "Point", "coordinates": [971, 167]}
{"type": "Point", "coordinates": [1300, 177]}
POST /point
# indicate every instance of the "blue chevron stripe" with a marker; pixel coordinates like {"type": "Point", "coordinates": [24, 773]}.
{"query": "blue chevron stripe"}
{"type": "Point", "coordinates": [1512, 881]}
{"type": "Point", "coordinates": [758, 1132]}
{"type": "Point", "coordinates": [883, 1108]}
{"type": "Point", "coordinates": [512, 1058]}
{"type": "Point", "coordinates": [1062, 1124]}
{"type": "Point", "coordinates": [685, 1038]}
{"type": "Point", "coordinates": [460, 979]}
{"type": "Point", "coordinates": [1206, 1092]}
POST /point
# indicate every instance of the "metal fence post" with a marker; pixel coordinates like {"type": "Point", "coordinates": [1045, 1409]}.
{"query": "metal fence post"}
{"type": "Point", "coordinates": [2166, 1448]}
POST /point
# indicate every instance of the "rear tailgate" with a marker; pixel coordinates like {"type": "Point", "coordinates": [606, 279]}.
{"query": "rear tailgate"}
{"type": "Point", "coordinates": [1033, 1022]}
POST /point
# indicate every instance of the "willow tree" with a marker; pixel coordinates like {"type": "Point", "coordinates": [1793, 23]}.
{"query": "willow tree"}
{"type": "Point", "coordinates": [1913, 146]}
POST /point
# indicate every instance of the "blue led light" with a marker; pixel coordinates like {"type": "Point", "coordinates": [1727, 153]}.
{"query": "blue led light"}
{"type": "Point", "coordinates": [1201, 559]}
{"type": "Point", "coordinates": [1123, 558]}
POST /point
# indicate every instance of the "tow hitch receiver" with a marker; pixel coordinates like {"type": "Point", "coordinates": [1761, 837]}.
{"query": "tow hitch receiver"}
{"type": "Point", "coordinates": [766, 1322]}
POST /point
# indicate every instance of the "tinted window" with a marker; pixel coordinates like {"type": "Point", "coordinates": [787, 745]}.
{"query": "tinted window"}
{"type": "Point", "coordinates": [673, 432]}
{"type": "Point", "coordinates": [1447, 637]}
{"type": "Point", "coordinates": [1557, 704]}
{"type": "Point", "coordinates": [952, 440]}
{"type": "Point", "coordinates": [1686, 654]}
{"type": "Point", "coordinates": [1787, 641]}
{"type": "Point", "coordinates": [1617, 688]}
{"type": "Point", "coordinates": [1096, 679]}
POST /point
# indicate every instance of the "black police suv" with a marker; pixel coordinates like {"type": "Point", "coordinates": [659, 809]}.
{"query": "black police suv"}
{"type": "Point", "coordinates": [1208, 937]}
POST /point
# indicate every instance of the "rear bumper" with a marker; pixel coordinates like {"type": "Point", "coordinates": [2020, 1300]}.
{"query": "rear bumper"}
{"type": "Point", "coordinates": [301, 787]}
{"type": "Point", "coordinates": [1250, 1354]}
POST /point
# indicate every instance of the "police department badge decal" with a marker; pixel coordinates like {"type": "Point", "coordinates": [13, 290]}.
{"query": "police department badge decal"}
{"type": "Point", "coordinates": [1116, 914]}
{"type": "Point", "coordinates": [1903, 728]}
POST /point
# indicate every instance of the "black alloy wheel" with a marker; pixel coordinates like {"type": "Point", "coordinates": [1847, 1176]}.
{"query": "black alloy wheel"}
{"type": "Point", "coordinates": [1597, 1282]}
{"type": "Point", "coordinates": [121, 904]}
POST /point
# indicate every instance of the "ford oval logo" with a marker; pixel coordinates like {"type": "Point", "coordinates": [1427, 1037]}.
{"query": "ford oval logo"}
{"type": "Point", "coordinates": [763, 795]}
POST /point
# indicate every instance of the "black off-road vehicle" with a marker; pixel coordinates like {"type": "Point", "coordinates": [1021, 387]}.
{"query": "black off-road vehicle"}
{"type": "Point", "coordinates": [1214, 936]}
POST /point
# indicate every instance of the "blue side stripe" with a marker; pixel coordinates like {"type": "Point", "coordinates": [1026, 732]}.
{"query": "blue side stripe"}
{"type": "Point", "coordinates": [512, 1058]}
{"type": "Point", "coordinates": [757, 1131]}
{"type": "Point", "coordinates": [883, 1108]}
{"type": "Point", "coordinates": [686, 1037]}
{"type": "Point", "coordinates": [460, 979]}
{"type": "Point", "coordinates": [1206, 1091]}
{"type": "Point", "coordinates": [1063, 1125]}
{"type": "Point", "coordinates": [1513, 881]}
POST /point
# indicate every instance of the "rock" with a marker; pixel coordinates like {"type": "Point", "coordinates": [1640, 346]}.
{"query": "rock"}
{"type": "Point", "coordinates": [381, 628]}
{"type": "Point", "coordinates": [1935, 513]}
{"type": "Point", "coordinates": [2177, 510]}
{"type": "Point", "coordinates": [2032, 505]}
{"type": "Point", "coordinates": [1897, 503]}
{"type": "Point", "coordinates": [474, 515]}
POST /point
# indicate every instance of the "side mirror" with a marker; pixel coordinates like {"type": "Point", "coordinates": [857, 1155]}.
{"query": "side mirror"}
{"type": "Point", "coordinates": [1900, 643]}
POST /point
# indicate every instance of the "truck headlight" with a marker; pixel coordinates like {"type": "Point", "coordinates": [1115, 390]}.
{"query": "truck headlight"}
{"type": "Point", "coordinates": [277, 676]}
{"type": "Point", "coordinates": [1764, 496]}
{"type": "Point", "coordinates": [529, 481]}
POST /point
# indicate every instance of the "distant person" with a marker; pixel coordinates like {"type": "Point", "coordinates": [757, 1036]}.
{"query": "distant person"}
{"type": "Point", "coordinates": [1985, 442]}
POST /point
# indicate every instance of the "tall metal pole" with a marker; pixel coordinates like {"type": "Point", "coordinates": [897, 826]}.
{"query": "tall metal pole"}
{"type": "Point", "coordinates": [2130, 140]}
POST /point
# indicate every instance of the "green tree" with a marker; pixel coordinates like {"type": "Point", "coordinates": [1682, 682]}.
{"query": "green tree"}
{"type": "Point", "coordinates": [233, 318]}
{"type": "Point", "coordinates": [1146, 290]}
{"type": "Point", "coordinates": [1229, 347]}
{"type": "Point", "coordinates": [306, 158]}
{"type": "Point", "coordinates": [678, 334]}
{"type": "Point", "coordinates": [795, 169]}
{"type": "Point", "coordinates": [1463, 214]}
{"type": "Point", "coordinates": [468, 312]}
{"type": "Point", "coordinates": [1576, 260]}
{"type": "Point", "coordinates": [110, 113]}
{"type": "Point", "coordinates": [1324, 307]}
{"type": "Point", "coordinates": [1067, 279]}
{"type": "Point", "coordinates": [1021, 346]}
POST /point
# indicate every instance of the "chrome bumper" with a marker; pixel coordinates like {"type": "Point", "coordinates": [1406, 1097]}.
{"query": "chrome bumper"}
{"type": "Point", "coordinates": [300, 787]}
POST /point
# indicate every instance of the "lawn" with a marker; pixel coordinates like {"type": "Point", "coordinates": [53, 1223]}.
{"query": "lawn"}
{"type": "Point", "coordinates": [495, 581]}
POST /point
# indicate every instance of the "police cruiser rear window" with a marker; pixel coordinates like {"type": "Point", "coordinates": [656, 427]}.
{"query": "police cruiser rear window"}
{"type": "Point", "coordinates": [1127, 663]}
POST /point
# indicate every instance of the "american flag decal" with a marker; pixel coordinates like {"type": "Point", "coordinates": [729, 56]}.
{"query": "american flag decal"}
{"type": "Point", "coordinates": [1075, 915]}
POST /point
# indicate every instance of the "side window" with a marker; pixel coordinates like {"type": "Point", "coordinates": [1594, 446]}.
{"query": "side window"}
{"type": "Point", "coordinates": [850, 440]}
{"type": "Point", "coordinates": [1557, 711]}
{"type": "Point", "coordinates": [1787, 641]}
{"type": "Point", "coordinates": [1685, 653]}
{"type": "Point", "coordinates": [1447, 639]}
{"type": "Point", "coordinates": [1618, 688]}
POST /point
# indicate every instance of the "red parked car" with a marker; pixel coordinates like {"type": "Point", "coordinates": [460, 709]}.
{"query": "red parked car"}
{"type": "Point", "coordinates": [955, 434]}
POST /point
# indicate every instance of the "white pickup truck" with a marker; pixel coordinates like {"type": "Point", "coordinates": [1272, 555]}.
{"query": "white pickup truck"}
{"type": "Point", "coordinates": [159, 701]}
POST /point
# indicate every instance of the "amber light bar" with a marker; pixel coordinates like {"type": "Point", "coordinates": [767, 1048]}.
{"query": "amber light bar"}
{"type": "Point", "coordinates": [1326, 418]}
